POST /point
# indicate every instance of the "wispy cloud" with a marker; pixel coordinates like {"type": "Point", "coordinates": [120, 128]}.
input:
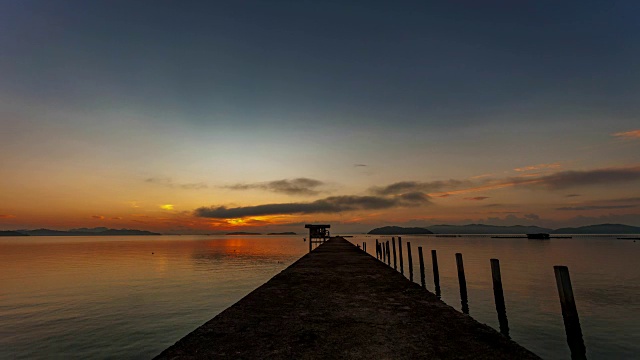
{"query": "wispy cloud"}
{"type": "Point", "coordinates": [572, 195]}
{"type": "Point", "coordinates": [299, 186]}
{"type": "Point", "coordinates": [168, 182]}
{"type": "Point", "coordinates": [633, 134]}
{"type": "Point", "coordinates": [568, 179]}
{"type": "Point", "coordinates": [359, 165]}
{"type": "Point", "coordinates": [595, 207]}
{"type": "Point", "coordinates": [555, 181]}
{"type": "Point", "coordinates": [7, 216]}
{"type": "Point", "coordinates": [98, 217]}
{"type": "Point", "coordinates": [477, 198]}
{"type": "Point", "coordinates": [411, 186]}
{"type": "Point", "coordinates": [538, 167]}
{"type": "Point", "coordinates": [333, 204]}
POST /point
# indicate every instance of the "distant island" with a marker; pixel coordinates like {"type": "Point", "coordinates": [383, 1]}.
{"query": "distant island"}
{"type": "Point", "coordinates": [100, 231]}
{"type": "Point", "coordinates": [397, 230]}
{"type": "Point", "coordinates": [600, 229]}
{"type": "Point", "coordinates": [483, 229]}
{"type": "Point", "coordinates": [283, 233]}
{"type": "Point", "coordinates": [11, 233]}
{"type": "Point", "coordinates": [243, 233]}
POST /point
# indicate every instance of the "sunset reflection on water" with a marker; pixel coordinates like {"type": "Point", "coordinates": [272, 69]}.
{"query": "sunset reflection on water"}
{"type": "Point", "coordinates": [131, 297]}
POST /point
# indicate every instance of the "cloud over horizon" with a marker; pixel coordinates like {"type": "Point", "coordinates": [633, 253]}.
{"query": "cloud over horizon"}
{"type": "Point", "coordinates": [568, 179]}
{"type": "Point", "coordinates": [413, 186]}
{"type": "Point", "coordinates": [332, 204]}
{"type": "Point", "coordinates": [538, 167]}
{"type": "Point", "coordinates": [298, 186]}
{"type": "Point", "coordinates": [633, 134]}
{"type": "Point", "coordinates": [168, 182]}
{"type": "Point", "coordinates": [595, 207]}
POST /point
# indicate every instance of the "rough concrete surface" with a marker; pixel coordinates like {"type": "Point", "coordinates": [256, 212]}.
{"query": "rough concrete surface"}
{"type": "Point", "coordinates": [339, 303]}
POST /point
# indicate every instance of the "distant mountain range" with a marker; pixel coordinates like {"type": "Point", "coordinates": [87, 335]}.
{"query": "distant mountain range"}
{"type": "Point", "coordinates": [77, 232]}
{"type": "Point", "coordinates": [11, 233]}
{"type": "Point", "coordinates": [600, 229]}
{"type": "Point", "coordinates": [493, 229]}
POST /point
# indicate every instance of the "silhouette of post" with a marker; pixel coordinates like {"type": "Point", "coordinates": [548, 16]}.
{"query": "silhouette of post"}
{"type": "Point", "coordinates": [422, 279]}
{"type": "Point", "coordinates": [410, 261]}
{"type": "Point", "coordinates": [393, 243]}
{"type": "Point", "coordinates": [464, 301]}
{"type": "Point", "coordinates": [400, 255]}
{"type": "Point", "coordinates": [384, 254]}
{"type": "Point", "coordinates": [570, 313]}
{"type": "Point", "coordinates": [377, 250]}
{"type": "Point", "coordinates": [436, 273]}
{"type": "Point", "coordinates": [498, 295]}
{"type": "Point", "coordinates": [388, 254]}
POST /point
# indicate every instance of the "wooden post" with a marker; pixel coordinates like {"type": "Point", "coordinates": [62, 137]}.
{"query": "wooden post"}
{"type": "Point", "coordinates": [377, 250]}
{"type": "Point", "coordinates": [384, 254]}
{"type": "Point", "coordinates": [410, 261]}
{"type": "Point", "coordinates": [436, 273]}
{"type": "Point", "coordinates": [498, 295]}
{"type": "Point", "coordinates": [388, 254]}
{"type": "Point", "coordinates": [570, 313]}
{"type": "Point", "coordinates": [393, 243]}
{"type": "Point", "coordinates": [422, 279]}
{"type": "Point", "coordinates": [464, 301]}
{"type": "Point", "coordinates": [400, 255]}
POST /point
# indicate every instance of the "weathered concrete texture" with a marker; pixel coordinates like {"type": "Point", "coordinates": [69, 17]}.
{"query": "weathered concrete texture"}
{"type": "Point", "coordinates": [339, 303]}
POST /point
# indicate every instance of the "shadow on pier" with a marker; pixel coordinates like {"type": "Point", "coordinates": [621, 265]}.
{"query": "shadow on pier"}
{"type": "Point", "coordinates": [339, 302]}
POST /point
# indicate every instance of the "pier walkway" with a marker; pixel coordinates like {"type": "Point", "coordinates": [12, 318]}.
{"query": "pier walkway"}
{"type": "Point", "coordinates": [338, 302]}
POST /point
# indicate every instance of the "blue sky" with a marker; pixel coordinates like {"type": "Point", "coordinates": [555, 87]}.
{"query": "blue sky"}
{"type": "Point", "coordinates": [106, 94]}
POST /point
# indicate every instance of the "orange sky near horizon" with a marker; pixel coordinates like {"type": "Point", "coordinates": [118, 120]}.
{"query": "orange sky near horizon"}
{"type": "Point", "coordinates": [264, 116]}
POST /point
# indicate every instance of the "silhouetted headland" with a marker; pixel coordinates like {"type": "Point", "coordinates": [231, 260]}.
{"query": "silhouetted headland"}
{"type": "Point", "coordinates": [283, 233]}
{"type": "Point", "coordinates": [338, 302]}
{"type": "Point", "coordinates": [483, 229]}
{"type": "Point", "coordinates": [12, 233]}
{"type": "Point", "coordinates": [85, 232]}
{"type": "Point", "coordinates": [397, 230]}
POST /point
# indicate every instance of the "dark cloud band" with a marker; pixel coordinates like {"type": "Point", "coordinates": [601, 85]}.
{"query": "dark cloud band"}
{"type": "Point", "coordinates": [333, 204]}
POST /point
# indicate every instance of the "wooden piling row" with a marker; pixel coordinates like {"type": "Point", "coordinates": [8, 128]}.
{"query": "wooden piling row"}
{"type": "Point", "coordinates": [565, 291]}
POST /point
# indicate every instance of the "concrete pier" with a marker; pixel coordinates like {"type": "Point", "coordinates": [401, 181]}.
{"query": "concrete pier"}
{"type": "Point", "coordinates": [338, 302]}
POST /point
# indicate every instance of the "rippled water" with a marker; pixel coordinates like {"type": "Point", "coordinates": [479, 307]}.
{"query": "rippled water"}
{"type": "Point", "coordinates": [131, 297]}
{"type": "Point", "coordinates": [124, 297]}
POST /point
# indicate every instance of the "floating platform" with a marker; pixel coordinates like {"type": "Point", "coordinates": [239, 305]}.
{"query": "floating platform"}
{"type": "Point", "coordinates": [338, 302]}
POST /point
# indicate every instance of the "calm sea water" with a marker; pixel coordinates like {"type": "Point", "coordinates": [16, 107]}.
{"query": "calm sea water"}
{"type": "Point", "coordinates": [131, 297]}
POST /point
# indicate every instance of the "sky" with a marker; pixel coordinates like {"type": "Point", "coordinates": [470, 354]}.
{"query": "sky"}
{"type": "Point", "coordinates": [205, 117]}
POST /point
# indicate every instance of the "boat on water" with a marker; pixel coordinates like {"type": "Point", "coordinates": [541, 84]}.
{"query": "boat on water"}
{"type": "Point", "coordinates": [538, 236]}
